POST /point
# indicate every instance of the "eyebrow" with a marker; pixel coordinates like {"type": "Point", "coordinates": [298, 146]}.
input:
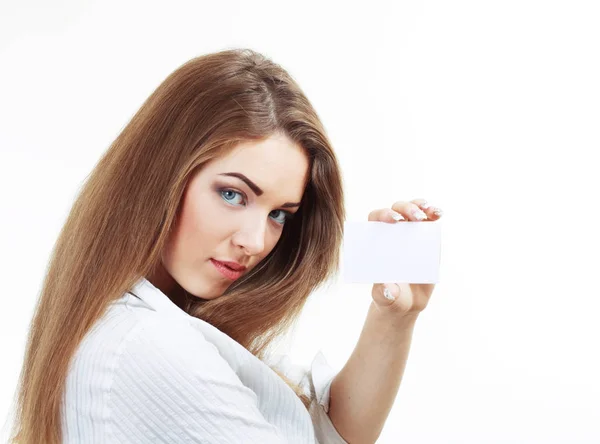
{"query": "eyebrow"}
{"type": "Point", "coordinates": [256, 189]}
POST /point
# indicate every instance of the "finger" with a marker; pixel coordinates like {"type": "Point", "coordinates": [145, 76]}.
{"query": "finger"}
{"type": "Point", "coordinates": [409, 210]}
{"type": "Point", "coordinates": [385, 215]}
{"type": "Point", "coordinates": [385, 298]}
{"type": "Point", "coordinates": [433, 213]}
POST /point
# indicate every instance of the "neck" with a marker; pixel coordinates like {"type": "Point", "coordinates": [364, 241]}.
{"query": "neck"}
{"type": "Point", "coordinates": [162, 280]}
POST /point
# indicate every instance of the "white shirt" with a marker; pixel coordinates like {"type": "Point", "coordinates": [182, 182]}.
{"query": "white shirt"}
{"type": "Point", "coordinates": [147, 372]}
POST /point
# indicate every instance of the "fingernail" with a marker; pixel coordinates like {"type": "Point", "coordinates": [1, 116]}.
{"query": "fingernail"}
{"type": "Point", "coordinates": [397, 216]}
{"type": "Point", "coordinates": [388, 294]}
{"type": "Point", "coordinates": [419, 215]}
{"type": "Point", "coordinates": [425, 205]}
{"type": "Point", "coordinates": [438, 212]}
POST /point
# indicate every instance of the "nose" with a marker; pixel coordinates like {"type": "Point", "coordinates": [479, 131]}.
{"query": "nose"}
{"type": "Point", "coordinates": [251, 236]}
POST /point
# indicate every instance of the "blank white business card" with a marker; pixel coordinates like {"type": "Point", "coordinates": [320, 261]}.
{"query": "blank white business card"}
{"type": "Point", "coordinates": [380, 252]}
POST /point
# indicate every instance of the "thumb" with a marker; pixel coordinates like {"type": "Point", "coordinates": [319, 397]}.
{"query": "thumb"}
{"type": "Point", "coordinates": [384, 295]}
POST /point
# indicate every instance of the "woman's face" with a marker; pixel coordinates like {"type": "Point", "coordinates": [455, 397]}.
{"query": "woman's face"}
{"type": "Point", "coordinates": [225, 218]}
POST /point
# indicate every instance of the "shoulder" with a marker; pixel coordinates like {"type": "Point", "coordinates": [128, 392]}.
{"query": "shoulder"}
{"type": "Point", "coordinates": [168, 374]}
{"type": "Point", "coordinates": [124, 338]}
{"type": "Point", "coordinates": [91, 371]}
{"type": "Point", "coordinates": [165, 350]}
{"type": "Point", "coordinates": [121, 321]}
{"type": "Point", "coordinates": [158, 339]}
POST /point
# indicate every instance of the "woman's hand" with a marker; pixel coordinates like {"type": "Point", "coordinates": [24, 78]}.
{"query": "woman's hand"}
{"type": "Point", "coordinates": [404, 299]}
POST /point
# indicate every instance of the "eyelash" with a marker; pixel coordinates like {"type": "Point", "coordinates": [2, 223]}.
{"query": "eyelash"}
{"type": "Point", "coordinates": [288, 216]}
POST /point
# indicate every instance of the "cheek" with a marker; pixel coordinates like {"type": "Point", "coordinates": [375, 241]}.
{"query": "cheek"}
{"type": "Point", "coordinates": [270, 243]}
{"type": "Point", "coordinates": [204, 222]}
{"type": "Point", "coordinates": [183, 245]}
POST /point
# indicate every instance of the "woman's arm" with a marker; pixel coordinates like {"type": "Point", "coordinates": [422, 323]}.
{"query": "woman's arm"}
{"type": "Point", "coordinates": [363, 392]}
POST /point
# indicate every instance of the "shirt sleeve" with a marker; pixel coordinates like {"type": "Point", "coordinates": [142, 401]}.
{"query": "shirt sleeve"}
{"type": "Point", "coordinates": [316, 382]}
{"type": "Point", "coordinates": [173, 386]}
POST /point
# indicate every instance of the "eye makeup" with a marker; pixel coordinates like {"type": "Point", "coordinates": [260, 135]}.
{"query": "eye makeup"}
{"type": "Point", "coordinates": [220, 190]}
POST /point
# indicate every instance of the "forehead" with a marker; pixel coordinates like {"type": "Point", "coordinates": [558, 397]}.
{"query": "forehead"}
{"type": "Point", "coordinates": [271, 162]}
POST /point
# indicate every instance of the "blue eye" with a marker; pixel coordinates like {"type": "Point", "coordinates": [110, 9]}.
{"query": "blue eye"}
{"type": "Point", "coordinates": [232, 193]}
{"type": "Point", "coordinates": [222, 192]}
{"type": "Point", "coordinates": [286, 216]}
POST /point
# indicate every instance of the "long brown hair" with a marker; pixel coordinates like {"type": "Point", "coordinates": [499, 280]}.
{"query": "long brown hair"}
{"type": "Point", "coordinates": [118, 225]}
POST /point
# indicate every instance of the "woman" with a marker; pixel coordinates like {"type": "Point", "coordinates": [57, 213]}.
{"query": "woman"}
{"type": "Point", "coordinates": [193, 245]}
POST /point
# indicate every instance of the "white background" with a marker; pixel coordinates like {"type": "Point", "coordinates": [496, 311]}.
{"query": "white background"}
{"type": "Point", "coordinates": [490, 110]}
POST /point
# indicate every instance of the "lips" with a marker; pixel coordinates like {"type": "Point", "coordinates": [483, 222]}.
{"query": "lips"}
{"type": "Point", "coordinates": [233, 265]}
{"type": "Point", "coordinates": [226, 271]}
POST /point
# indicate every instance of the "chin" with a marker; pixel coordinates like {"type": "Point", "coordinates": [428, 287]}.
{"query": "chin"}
{"type": "Point", "coordinates": [204, 292]}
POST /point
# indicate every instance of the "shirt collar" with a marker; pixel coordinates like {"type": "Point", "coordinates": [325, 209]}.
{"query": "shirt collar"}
{"type": "Point", "coordinates": [156, 299]}
{"type": "Point", "coordinates": [160, 302]}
